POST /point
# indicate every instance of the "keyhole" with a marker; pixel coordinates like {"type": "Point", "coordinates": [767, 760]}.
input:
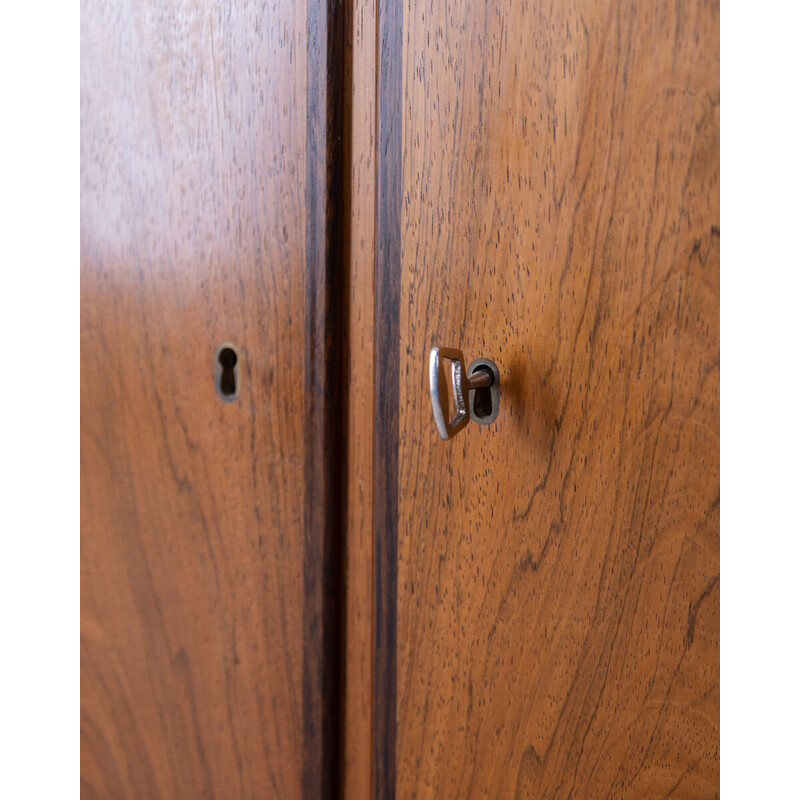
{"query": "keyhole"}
{"type": "Point", "coordinates": [482, 404]}
{"type": "Point", "coordinates": [226, 373]}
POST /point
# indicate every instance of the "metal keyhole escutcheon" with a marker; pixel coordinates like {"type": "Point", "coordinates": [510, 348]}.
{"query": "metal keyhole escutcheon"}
{"type": "Point", "coordinates": [226, 372]}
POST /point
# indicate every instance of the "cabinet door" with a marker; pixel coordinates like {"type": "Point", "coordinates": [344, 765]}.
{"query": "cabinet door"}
{"type": "Point", "coordinates": [205, 667]}
{"type": "Point", "coordinates": [548, 585]}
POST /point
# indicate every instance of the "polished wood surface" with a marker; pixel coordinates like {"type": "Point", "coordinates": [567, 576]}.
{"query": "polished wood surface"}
{"type": "Point", "coordinates": [361, 378]}
{"type": "Point", "coordinates": [386, 484]}
{"type": "Point", "coordinates": [557, 595]}
{"type": "Point", "coordinates": [531, 610]}
{"type": "Point", "coordinates": [193, 233]}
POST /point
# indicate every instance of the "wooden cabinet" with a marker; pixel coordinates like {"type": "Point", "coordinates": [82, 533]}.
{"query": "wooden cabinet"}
{"type": "Point", "coordinates": [305, 592]}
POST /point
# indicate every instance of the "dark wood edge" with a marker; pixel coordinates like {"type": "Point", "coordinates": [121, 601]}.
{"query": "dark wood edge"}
{"type": "Point", "coordinates": [387, 391]}
{"type": "Point", "coordinates": [327, 286]}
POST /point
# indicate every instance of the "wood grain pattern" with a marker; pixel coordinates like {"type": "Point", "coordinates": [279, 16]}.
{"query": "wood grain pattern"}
{"type": "Point", "coordinates": [387, 394]}
{"type": "Point", "coordinates": [558, 572]}
{"type": "Point", "coordinates": [193, 231]}
{"type": "Point", "coordinates": [361, 378]}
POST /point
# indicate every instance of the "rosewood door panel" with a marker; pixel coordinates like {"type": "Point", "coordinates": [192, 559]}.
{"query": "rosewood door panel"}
{"type": "Point", "coordinates": [194, 602]}
{"type": "Point", "coordinates": [550, 200]}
